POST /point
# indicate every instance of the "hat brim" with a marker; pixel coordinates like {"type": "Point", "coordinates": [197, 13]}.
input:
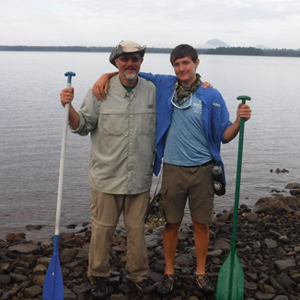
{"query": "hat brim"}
{"type": "Point", "coordinates": [118, 51]}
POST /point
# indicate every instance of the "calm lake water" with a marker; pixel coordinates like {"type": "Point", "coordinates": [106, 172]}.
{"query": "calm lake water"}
{"type": "Point", "coordinates": [31, 128]}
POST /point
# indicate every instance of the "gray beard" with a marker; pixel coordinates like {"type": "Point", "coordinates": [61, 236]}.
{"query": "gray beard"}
{"type": "Point", "coordinates": [130, 76]}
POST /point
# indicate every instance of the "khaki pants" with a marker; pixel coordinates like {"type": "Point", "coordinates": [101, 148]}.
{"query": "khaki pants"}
{"type": "Point", "coordinates": [106, 210]}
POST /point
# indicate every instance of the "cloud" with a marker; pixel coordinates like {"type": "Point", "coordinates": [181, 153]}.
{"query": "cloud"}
{"type": "Point", "coordinates": [155, 23]}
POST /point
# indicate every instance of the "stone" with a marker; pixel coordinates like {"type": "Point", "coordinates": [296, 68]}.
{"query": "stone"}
{"type": "Point", "coordinates": [222, 245]}
{"type": "Point", "coordinates": [260, 226]}
{"type": "Point", "coordinates": [286, 265]}
{"type": "Point", "coordinates": [281, 297]}
{"type": "Point", "coordinates": [225, 217]}
{"type": "Point", "coordinates": [118, 297]}
{"type": "Point", "coordinates": [34, 227]}
{"type": "Point", "coordinates": [68, 252]}
{"type": "Point", "coordinates": [251, 286]}
{"type": "Point", "coordinates": [38, 280]}
{"type": "Point", "coordinates": [69, 295]}
{"type": "Point", "coordinates": [295, 192]}
{"type": "Point", "coordinates": [251, 217]}
{"type": "Point", "coordinates": [267, 289]}
{"type": "Point", "coordinates": [83, 252]}
{"type": "Point", "coordinates": [26, 248]}
{"type": "Point", "coordinates": [264, 296]}
{"type": "Point", "coordinates": [33, 291]}
{"type": "Point", "coordinates": [296, 277]}
{"type": "Point", "coordinates": [182, 236]}
{"type": "Point", "coordinates": [270, 243]}
{"type": "Point", "coordinates": [292, 185]}
{"type": "Point", "coordinates": [64, 236]}
{"type": "Point", "coordinates": [277, 204]}
{"type": "Point", "coordinates": [4, 280]}
{"type": "Point", "coordinates": [184, 259]}
{"type": "Point", "coordinates": [82, 288]}
{"type": "Point", "coordinates": [10, 237]}
{"type": "Point", "coordinates": [151, 241]}
{"type": "Point", "coordinates": [214, 253]}
{"type": "Point", "coordinates": [276, 285]}
{"type": "Point", "coordinates": [39, 270]}
{"type": "Point", "coordinates": [8, 295]}
{"type": "Point", "coordinates": [257, 263]}
{"type": "Point", "coordinates": [285, 281]}
{"type": "Point", "coordinates": [44, 261]}
{"type": "Point", "coordinates": [158, 267]}
{"type": "Point", "coordinates": [18, 278]}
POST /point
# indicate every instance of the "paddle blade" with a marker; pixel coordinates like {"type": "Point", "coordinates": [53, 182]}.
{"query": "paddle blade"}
{"type": "Point", "coordinates": [53, 283]}
{"type": "Point", "coordinates": [230, 284]}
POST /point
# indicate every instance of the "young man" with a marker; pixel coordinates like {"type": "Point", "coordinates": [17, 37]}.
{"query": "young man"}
{"type": "Point", "coordinates": [191, 124]}
{"type": "Point", "coordinates": [121, 164]}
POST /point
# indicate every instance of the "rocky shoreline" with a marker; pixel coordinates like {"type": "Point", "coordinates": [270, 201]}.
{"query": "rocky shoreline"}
{"type": "Point", "coordinates": [268, 247]}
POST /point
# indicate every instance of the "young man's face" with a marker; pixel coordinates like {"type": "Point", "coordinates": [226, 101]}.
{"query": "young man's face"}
{"type": "Point", "coordinates": [185, 70]}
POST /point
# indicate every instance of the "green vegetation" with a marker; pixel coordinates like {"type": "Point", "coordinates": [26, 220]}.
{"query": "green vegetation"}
{"type": "Point", "coordinates": [219, 51]}
{"type": "Point", "coordinates": [253, 51]}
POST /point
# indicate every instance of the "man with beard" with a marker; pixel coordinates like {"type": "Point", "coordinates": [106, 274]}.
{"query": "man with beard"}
{"type": "Point", "coordinates": [121, 164]}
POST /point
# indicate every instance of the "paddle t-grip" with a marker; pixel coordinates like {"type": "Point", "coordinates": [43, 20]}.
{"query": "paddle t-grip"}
{"type": "Point", "coordinates": [244, 98]}
{"type": "Point", "coordinates": [69, 80]}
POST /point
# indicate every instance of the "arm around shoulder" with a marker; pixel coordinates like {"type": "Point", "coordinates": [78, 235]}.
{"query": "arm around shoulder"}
{"type": "Point", "coordinates": [100, 87]}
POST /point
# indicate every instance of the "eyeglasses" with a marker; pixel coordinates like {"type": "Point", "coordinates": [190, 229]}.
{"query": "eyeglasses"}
{"type": "Point", "coordinates": [126, 59]}
{"type": "Point", "coordinates": [181, 107]}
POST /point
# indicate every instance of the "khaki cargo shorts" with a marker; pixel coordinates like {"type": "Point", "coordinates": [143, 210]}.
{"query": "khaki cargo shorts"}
{"type": "Point", "coordinates": [194, 183]}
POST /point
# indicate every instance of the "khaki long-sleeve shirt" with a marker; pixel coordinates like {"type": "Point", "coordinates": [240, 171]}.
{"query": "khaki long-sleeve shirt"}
{"type": "Point", "coordinates": [122, 131]}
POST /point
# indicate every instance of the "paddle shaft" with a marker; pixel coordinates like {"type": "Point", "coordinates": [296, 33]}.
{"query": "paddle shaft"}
{"type": "Point", "coordinates": [237, 192]}
{"type": "Point", "coordinates": [62, 158]}
{"type": "Point", "coordinates": [238, 183]}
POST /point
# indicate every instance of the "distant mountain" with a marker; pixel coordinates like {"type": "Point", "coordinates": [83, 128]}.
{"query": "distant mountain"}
{"type": "Point", "coordinates": [215, 43]}
{"type": "Point", "coordinates": [262, 47]}
{"type": "Point", "coordinates": [212, 44]}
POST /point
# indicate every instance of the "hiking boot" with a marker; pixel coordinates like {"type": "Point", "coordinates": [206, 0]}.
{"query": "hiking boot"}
{"type": "Point", "coordinates": [99, 287]}
{"type": "Point", "coordinates": [145, 286]}
{"type": "Point", "coordinates": [204, 284]}
{"type": "Point", "coordinates": [166, 285]}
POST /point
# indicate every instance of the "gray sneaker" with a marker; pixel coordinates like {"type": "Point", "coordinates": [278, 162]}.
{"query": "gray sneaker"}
{"type": "Point", "coordinates": [204, 284]}
{"type": "Point", "coordinates": [166, 285]}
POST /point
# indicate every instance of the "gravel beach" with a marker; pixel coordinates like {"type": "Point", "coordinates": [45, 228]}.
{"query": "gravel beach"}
{"type": "Point", "coordinates": [268, 247]}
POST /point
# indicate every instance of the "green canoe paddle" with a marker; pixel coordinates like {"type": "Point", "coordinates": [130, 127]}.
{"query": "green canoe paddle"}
{"type": "Point", "coordinates": [230, 284]}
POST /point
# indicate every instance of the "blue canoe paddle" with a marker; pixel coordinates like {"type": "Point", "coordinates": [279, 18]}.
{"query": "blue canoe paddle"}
{"type": "Point", "coordinates": [53, 284]}
{"type": "Point", "coordinates": [230, 285]}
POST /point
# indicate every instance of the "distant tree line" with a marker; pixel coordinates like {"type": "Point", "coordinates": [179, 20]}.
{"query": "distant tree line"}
{"type": "Point", "coordinates": [56, 48]}
{"type": "Point", "coordinates": [220, 51]}
{"type": "Point", "coordinates": [253, 51]}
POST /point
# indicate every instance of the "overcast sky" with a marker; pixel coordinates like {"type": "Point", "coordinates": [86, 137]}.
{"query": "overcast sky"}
{"type": "Point", "coordinates": [156, 23]}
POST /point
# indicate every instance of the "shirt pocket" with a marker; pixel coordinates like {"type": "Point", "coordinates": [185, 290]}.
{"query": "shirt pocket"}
{"type": "Point", "coordinates": [216, 112]}
{"type": "Point", "coordinates": [113, 124]}
{"type": "Point", "coordinates": [146, 123]}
